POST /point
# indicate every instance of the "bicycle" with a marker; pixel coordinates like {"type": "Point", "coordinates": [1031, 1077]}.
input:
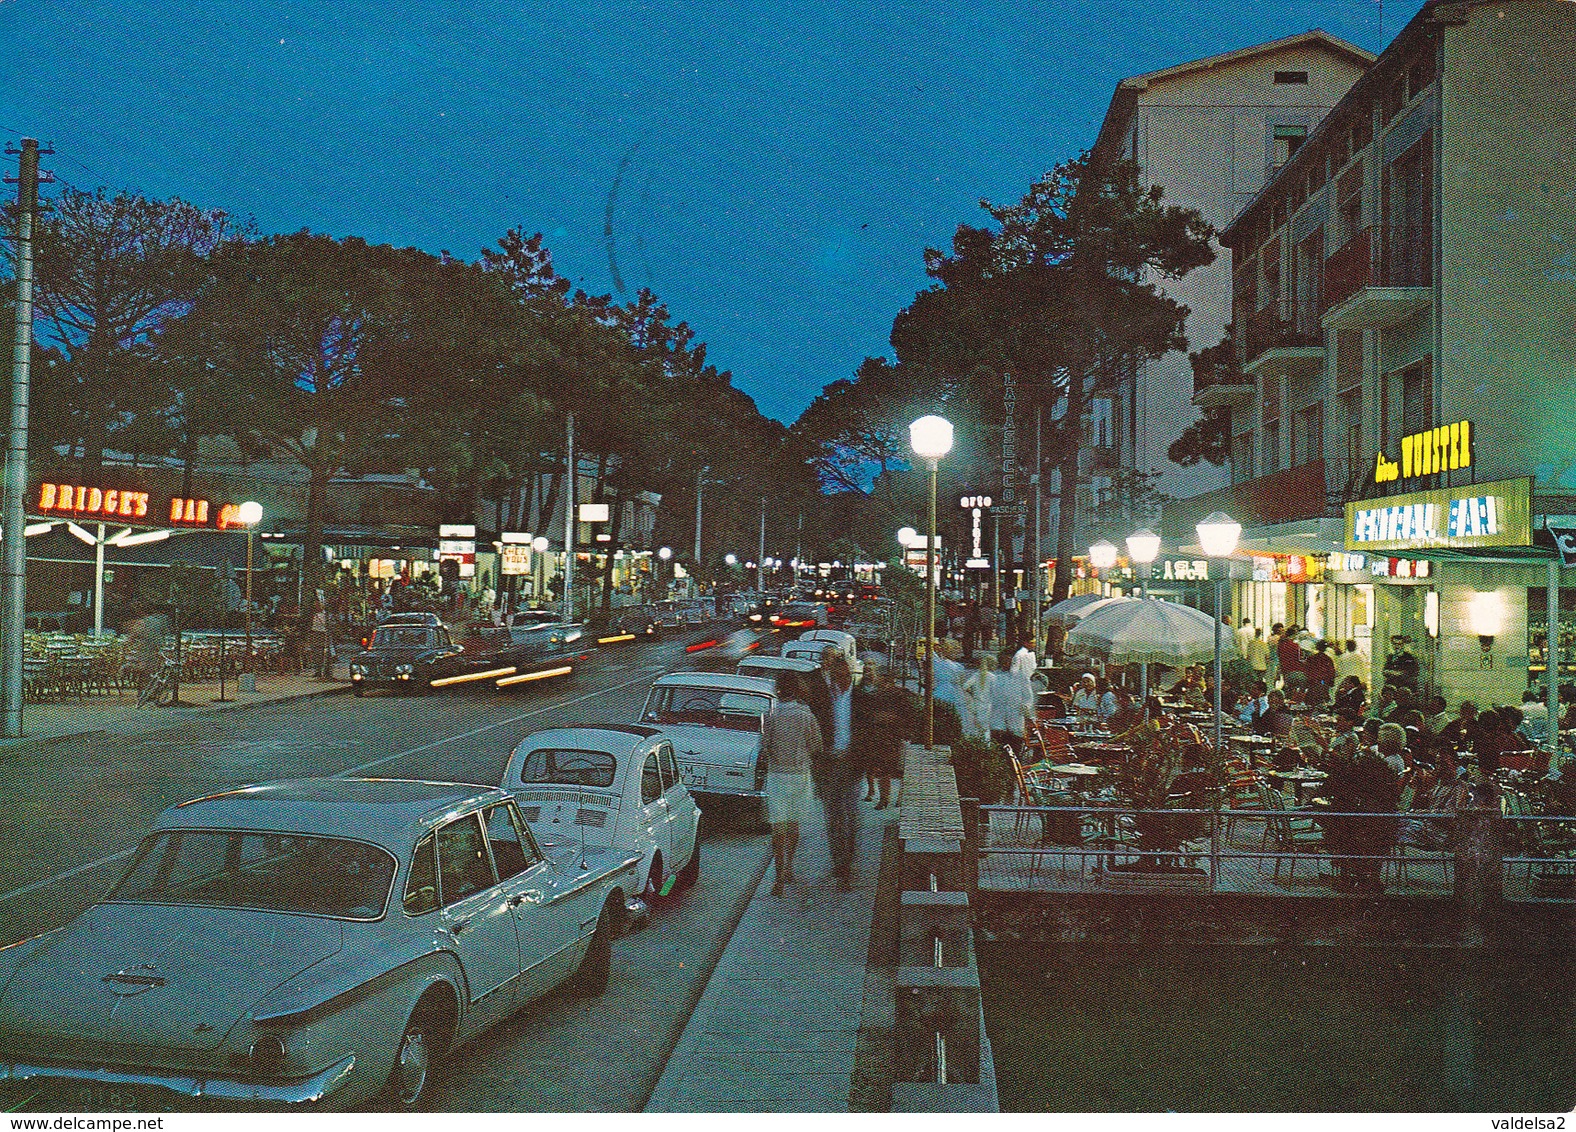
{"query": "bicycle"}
{"type": "Point", "coordinates": [159, 688]}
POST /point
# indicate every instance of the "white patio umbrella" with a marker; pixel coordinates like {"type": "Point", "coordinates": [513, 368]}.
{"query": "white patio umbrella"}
{"type": "Point", "coordinates": [1150, 631]}
{"type": "Point", "coordinates": [1072, 610]}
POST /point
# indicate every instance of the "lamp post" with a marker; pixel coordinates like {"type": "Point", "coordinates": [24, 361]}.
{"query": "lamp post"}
{"type": "Point", "coordinates": [539, 547]}
{"type": "Point", "coordinates": [250, 514]}
{"type": "Point", "coordinates": [931, 438]}
{"type": "Point", "coordinates": [1218, 536]}
{"type": "Point", "coordinates": [1143, 547]}
{"type": "Point", "coordinates": [1102, 556]}
{"type": "Point", "coordinates": [665, 555]}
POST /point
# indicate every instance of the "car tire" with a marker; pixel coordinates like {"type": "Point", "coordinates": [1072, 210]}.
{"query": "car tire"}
{"type": "Point", "coordinates": [596, 965]}
{"type": "Point", "coordinates": [416, 1059]}
{"type": "Point", "coordinates": [652, 893]}
{"type": "Point", "coordinates": [690, 873]}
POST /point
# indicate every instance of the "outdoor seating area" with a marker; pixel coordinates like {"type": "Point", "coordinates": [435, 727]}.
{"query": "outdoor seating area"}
{"type": "Point", "coordinates": [67, 667]}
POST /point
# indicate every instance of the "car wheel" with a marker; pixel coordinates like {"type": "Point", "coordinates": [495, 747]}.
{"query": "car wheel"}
{"type": "Point", "coordinates": [596, 965]}
{"type": "Point", "coordinates": [652, 893]}
{"type": "Point", "coordinates": [420, 1048]}
{"type": "Point", "coordinates": [690, 873]}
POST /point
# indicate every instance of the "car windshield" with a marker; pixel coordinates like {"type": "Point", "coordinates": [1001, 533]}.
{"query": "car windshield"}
{"type": "Point", "coordinates": [569, 767]}
{"type": "Point", "coordinates": [403, 637]}
{"type": "Point", "coordinates": [270, 872]}
{"type": "Point", "coordinates": [708, 707]}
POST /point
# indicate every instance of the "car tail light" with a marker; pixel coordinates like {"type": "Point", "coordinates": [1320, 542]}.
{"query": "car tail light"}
{"type": "Point", "coordinates": [267, 1054]}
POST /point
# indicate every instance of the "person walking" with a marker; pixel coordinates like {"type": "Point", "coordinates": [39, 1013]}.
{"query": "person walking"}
{"type": "Point", "coordinates": [1011, 707]}
{"type": "Point", "coordinates": [1320, 670]}
{"type": "Point", "coordinates": [976, 699]}
{"type": "Point", "coordinates": [322, 640]}
{"type": "Point", "coordinates": [1258, 654]}
{"type": "Point", "coordinates": [791, 741]}
{"type": "Point", "coordinates": [883, 719]}
{"type": "Point", "coordinates": [834, 775]}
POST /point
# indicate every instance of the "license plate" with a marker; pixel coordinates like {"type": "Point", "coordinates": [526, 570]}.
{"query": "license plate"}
{"type": "Point", "coordinates": [695, 776]}
{"type": "Point", "coordinates": [101, 1098]}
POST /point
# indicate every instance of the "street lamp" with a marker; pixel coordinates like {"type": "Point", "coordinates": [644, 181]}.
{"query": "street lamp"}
{"type": "Point", "coordinates": [1143, 547]}
{"type": "Point", "coordinates": [906, 537]}
{"type": "Point", "coordinates": [250, 514]}
{"type": "Point", "coordinates": [1218, 536]}
{"type": "Point", "coordinates": [730, 559]}
{"type": "Point", "coordinates": [931, 438]}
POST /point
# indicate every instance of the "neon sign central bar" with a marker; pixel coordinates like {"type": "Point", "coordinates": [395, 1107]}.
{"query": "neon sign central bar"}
{"type": "Point", "coordinates": [1490, 514]}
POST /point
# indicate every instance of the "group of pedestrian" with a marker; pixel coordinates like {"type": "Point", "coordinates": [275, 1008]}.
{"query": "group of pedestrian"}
{"type": "Point", "coordinates": [829, 737]}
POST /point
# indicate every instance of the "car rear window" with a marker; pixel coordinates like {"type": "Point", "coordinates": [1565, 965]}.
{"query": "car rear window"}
{"type": "Point", "coordinates": [708, 707]}
{"type": "Point", "coordinates": [270, 872]}
{"type": "Point", "coordinates": [568, 767]}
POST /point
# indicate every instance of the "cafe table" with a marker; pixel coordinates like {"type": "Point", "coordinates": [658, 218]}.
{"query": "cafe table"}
{"type": "Point", "coordinates": [1302, 780]}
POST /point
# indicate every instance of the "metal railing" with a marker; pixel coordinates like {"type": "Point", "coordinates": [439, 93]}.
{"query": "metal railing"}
{"type": "Point", "coordinates": [1281, 324]}
{"type": "Point", "coordinates": [1285, 852]}
{"type": "Point", "coordinates": [1383, 255]}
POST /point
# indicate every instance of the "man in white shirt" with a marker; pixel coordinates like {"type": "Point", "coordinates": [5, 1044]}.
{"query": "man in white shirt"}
{"type": "Point", "coordinates": [1351, 663]}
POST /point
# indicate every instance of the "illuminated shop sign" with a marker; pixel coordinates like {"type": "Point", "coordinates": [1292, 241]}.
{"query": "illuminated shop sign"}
{"type": "Point", "coordinates": [1185, 570]}
{"type": "Point", "coordinates": [98, 502]}
{"type": "Point", "coordinates": [1485, 514]}
{"type": "Point", "coordinates": [1443, 449]}
{"type": "Point", "coordinates": [1379, 567]}
{"type": "Point", "coordinates": [1296, 568]}
{"type": "Point", "coordinates": [976, 505]}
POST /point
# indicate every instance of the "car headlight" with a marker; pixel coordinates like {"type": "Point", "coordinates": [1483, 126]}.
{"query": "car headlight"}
{"type": "Point", "coordinates": [404, 669]}
{"type": "Point", "coordinates": [357, 670]}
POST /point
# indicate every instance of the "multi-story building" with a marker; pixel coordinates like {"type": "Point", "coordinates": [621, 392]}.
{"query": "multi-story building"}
{"type": "Point", "coordinates": [1209, 132]}
{"type": "Point", "coordinates": [1404, 304]}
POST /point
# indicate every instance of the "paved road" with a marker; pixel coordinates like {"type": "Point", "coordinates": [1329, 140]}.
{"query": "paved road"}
{"type": "Point", "coordinates": [71, 810]}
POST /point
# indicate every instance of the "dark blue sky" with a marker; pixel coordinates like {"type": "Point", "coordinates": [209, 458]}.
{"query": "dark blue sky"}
{"type": "Point", "coordinates": [790, 162]}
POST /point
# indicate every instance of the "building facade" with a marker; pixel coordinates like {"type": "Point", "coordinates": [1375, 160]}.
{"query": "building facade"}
{"type": "Point", "coordinates": [1209, 132]}
{"type": "Point", "coordinates": [1404, 304]}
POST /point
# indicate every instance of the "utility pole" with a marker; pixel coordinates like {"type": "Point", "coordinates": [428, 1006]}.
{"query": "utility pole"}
{"type": "Point", "coordinates": [700, 487]}
{"type": "Point", "coordinates": [13, 511]}
{"type": "Point", "coordinates": [569, 526]}
{"type": "Point", "coordinates": [1039, 514]}
{"type": "Point", "coordinates": [760, 558]}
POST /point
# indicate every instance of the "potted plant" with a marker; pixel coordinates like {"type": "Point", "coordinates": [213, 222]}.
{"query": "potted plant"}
{"type": "Point", "coordinates": [1167, 768]}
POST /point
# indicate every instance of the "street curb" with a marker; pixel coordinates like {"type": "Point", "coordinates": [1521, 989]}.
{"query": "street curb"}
{"type": "Point", "coordinates": [189, 712]}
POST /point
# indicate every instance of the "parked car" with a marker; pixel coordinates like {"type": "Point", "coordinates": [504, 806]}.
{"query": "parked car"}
{"type": "Point", "coordinates": [697, 611]}
{"type": "Point", "coordinates": [714, 721]}
{"type": "Point", "coordinates": [767, 667]}
{"type": "Point", "coordinates": [670, 615]}
{"type": "Point", "coordinates": [610, 786]}
{"type": "Point", "coordinates": [305, 942]}
{"type": "Point", "coordinates": [813, 642]}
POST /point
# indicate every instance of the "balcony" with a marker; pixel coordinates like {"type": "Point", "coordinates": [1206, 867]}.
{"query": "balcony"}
{"type": "Point", "coordinates": [1380, 276]}
{"type": "Point", "coordinates": [1283, 340]}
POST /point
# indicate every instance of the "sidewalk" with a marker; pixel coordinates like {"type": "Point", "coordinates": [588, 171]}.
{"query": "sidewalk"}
{"type": "Point", "coordinates": [119, 713]}
{"type": "Point", "coordinates": [778, 1025]}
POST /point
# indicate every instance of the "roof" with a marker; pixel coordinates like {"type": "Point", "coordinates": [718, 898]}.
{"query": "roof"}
{"type": "Point", "coordinates": [716, 680]}
{"type": "Point", "coordinates": [783, 663]}
{"type": "Point", "coordinates": [1109, 142]}
{"type": "Point", "coordinates": [391, 812]}
{"type": "Point", "coordinates": [609, 737]}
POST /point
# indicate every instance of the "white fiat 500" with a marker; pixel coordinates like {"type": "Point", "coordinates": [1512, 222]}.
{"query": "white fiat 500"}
{"type": "Point", "coordinates": [611, 786]}
{"type": "Point", "coordinates": [301, 943]}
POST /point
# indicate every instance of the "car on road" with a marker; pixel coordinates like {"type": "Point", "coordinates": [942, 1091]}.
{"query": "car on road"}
{"type": "Point", "coordinates": [409, 657]}
{"type": "Point", "coordinates": [307, 942]}
{"type": "Point", "coordinates": [641, 620]}
{"type": "Point", "coordinates": [801, 615]}
{"type": "Point", "coordinates": [615, 786]}
{"type": "Point", "coordinates": [714, 721]}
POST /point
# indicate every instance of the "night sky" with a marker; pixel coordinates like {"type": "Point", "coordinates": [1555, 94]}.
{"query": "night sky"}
{"type": "Point", "coordinates": [779, 169]}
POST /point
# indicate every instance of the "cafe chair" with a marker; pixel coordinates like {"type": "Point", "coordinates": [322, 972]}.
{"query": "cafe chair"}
{"type": "Point", "coordinates": [1286, 834]}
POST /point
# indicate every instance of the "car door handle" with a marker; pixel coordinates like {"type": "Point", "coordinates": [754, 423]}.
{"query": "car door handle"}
{"type": "Point", "coordinates": [458, 926]}
{"type": "Point", "coordinates": [517, 899]}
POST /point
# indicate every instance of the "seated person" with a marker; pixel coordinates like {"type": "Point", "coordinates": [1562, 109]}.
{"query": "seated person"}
{"type": "Point", "coordinates": [1275, 719]}
{"type": "Point", "coordinates": [1350, 695]}
{"type": "Point", "coordinates": [1086, 695]}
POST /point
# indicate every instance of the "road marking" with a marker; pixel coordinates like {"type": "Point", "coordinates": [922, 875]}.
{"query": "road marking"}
{"type": "Point", "coordinates": [489, 727]}
{"type": "Point", "coordinates": [124, 853]}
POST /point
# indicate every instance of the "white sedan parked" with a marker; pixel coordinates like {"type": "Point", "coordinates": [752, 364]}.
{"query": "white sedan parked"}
{"type": "Point", "coordinates": [302, 943]}
{"type": "Point", "coordinates": [611, 786]}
